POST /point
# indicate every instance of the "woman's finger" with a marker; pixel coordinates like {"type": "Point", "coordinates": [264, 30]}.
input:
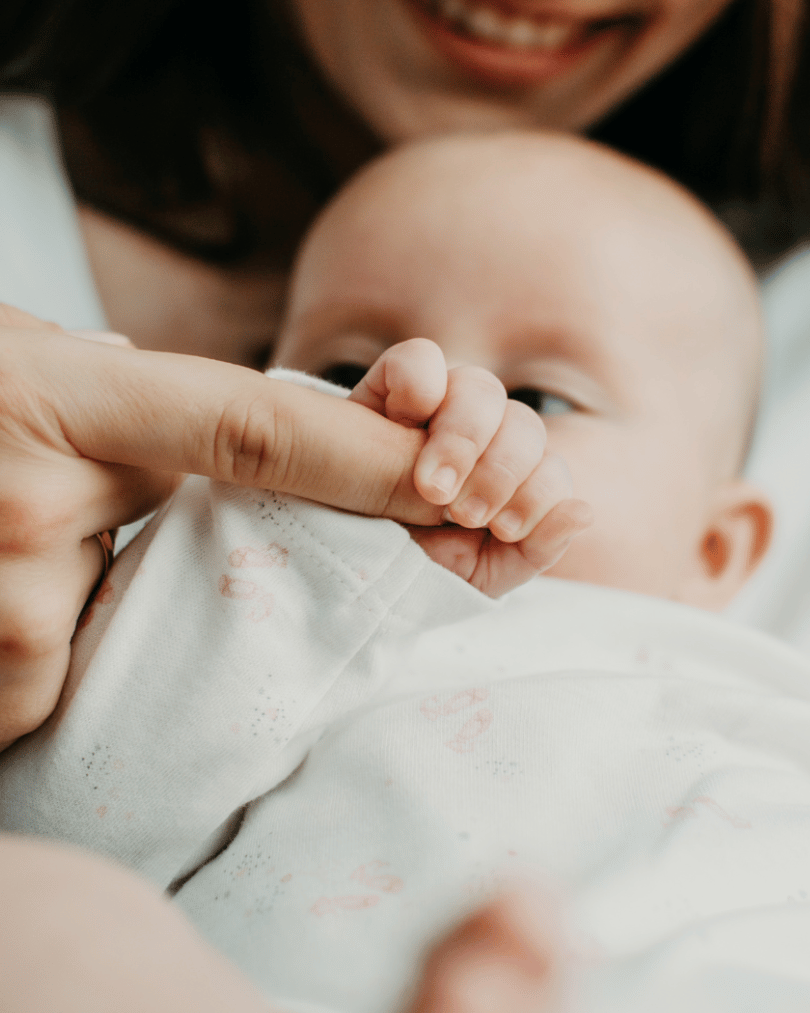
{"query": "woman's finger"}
{"type": "Point", "coordinates": [459, 432]}
{"type": "Point", "coordinates": [177, 413]}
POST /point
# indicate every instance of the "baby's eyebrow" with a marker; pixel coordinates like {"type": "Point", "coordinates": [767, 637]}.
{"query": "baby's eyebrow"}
{"type": "Point", "coordinates": [562, 344]}
{"type": "Point", "coordinates": [339, 315]}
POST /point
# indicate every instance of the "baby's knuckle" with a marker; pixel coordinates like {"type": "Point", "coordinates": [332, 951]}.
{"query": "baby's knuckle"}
{"type": "Point", "coordinates": [461, 448]}
{"type": "Point", "coordinates": [481, 381]}
{"type": "Point", "coordinates": [506, 471]}
{"type": "Point", "coordinates": [541, 489]}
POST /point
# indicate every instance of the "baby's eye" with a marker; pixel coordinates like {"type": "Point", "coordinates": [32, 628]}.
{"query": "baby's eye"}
{"type": "Point", "coordinates": [344, 374]}
{"type": "Point", "coordinates": [541, 401]}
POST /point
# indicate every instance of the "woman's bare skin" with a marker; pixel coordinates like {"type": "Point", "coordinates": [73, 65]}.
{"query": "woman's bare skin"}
{"type": "Point", "coordinates": [81, 935]}
{"type": "Point", "coordinates": [166, 301]}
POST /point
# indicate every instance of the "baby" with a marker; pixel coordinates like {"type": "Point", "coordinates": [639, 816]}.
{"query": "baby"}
{"type": "Point", "coordinates": [604, 298]}
{"type": "Point", "coordinates": [325, 746]}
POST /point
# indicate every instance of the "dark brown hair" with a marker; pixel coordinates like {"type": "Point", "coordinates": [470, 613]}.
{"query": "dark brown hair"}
{"type": "Point", "coordinates": [205, 124]}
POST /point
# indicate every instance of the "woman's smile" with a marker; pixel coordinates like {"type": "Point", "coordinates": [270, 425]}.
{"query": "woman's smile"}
{"type": "Point", "coordinates": [412, 68]}
{"type": "Point", "coordinates": [514, 47]}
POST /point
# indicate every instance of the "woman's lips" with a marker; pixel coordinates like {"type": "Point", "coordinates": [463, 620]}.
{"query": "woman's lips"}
{"type": "Point", "coordinates": [507, 48]}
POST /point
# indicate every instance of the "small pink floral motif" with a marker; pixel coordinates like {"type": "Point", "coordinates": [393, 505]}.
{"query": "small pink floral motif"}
{"type": "Point", "coordinates": [271, 555]}
{"type": "Point", "coordinates": [370, 875]}
{"type": "Point", "coordinates": [690, 811]}
{"type": "Point", "coordinates": [435, 706]}
{"type": "Point", "coordinates": [246, 590]}
{"type": "Point", "coordinates": [334, 905]}
{"type": "Point", "coordinates": [464, 739]}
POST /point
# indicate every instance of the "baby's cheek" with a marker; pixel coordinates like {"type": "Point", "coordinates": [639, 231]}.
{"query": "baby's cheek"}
{"type": "Point", "coordinates": [628, 556]}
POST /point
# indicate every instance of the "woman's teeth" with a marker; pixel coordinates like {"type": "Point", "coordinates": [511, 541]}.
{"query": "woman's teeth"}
{"type": "Point", "coordinates": [490, 25]}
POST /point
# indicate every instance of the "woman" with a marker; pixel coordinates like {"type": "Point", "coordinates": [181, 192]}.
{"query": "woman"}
{"type": "Point", "coordinates": [200, 141]}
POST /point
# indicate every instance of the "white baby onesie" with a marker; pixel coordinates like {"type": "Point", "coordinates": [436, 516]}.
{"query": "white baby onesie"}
{"type": "Point", "coordinates": [326, 747]}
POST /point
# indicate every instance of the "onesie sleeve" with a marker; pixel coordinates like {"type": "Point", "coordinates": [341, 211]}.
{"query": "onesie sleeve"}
{"type": "Point", "coordinates": [226, 637]}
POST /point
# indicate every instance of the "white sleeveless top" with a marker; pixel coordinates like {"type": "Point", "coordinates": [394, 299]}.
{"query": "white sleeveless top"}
{"type": "Point", "coordinates": [43, 264]}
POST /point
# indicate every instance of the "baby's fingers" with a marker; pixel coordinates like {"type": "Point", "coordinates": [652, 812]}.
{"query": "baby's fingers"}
{"type": "Point", "coordinates": [548, 541]}
{"type": "Point", "coordinates": [406, 384]}
{"type": "Point", "coordinates": [460, 431]}
{"type": "Point", "coordinates": [511, 457]}
{"type": "Point", "coordinates": [548, 484]}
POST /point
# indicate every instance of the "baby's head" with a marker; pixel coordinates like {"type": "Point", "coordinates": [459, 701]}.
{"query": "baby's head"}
{"type": "Point", "coordinates": [596, 290]}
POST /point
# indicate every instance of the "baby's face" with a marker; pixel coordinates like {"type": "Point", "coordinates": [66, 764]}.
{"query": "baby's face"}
{"type": "Point", "coordinates": [607, 326]}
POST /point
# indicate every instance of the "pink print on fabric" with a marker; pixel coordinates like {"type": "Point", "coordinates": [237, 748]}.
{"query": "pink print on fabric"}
{"type": "Point", "coordinates": [246, 590]}
{"type": "Point", "coordinates": [370, 875]}
{"type": "Point", "coordinates": [271, 555]}
{"type": "Point", "coordinates": [436, 706]}
{"type": "Point", "coordinates": [690, 811]}
{"type": "Point", "coordinates": [334, 905]}
{"type": "Point", "coordinates": [464, 739]}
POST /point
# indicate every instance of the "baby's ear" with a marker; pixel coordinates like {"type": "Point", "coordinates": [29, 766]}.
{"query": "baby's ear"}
{"type": "Point", "coordinates": [736, 538]}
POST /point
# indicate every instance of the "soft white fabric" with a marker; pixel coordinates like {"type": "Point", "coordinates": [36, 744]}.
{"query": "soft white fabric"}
{"type": "Point", "coordinates": [43, 266]}
{"type": "Point", "coordinates": [326, 746]}
{"type": "Point", "coordinates": [377, 746]}
{"type": "Point", "coordinates": [778, 597]}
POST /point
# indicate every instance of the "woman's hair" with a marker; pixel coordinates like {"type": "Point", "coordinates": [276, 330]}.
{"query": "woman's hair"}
{"type": "Point", "coordinates": [731, 120]}
{"type": "Point", "coordinates": [205, 124]}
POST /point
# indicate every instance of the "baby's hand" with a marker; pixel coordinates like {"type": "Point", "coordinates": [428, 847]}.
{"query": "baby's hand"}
{"type": "Point", "coordinates": [484, 461]}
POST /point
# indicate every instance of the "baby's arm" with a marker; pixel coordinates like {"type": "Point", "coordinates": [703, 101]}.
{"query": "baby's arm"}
{"type": "Point", "coordinates": [485, 461]}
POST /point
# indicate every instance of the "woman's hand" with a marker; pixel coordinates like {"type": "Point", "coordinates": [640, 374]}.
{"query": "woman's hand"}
{"type": "Point", "coordinates": [52, 501]}
{"type": "Point", "coordinates": [93, 436]}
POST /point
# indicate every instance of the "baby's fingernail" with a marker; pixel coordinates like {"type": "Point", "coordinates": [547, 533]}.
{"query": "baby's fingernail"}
{"type": "Point", "coordinates": [474, 509]}
{"type": "Point", "coordinates": [509, 522]}
{"type": "Point", "coordinates": [444, 479]}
